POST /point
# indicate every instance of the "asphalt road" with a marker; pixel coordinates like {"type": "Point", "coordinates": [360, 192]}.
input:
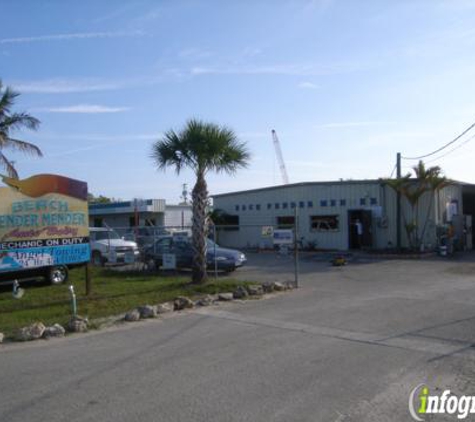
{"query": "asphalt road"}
{"type": "Point", "coordinates": [348, 345]}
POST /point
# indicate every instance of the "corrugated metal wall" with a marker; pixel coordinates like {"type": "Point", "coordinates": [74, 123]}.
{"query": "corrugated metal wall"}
{"type": "Point", "coordinates": [254, 212]}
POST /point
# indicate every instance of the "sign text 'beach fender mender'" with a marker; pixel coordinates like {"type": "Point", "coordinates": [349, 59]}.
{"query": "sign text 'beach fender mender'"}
{"type": "Point", "coordinates": [43, 222]}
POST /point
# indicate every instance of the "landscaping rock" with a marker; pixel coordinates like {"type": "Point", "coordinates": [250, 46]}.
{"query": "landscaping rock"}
{"type": "Point", "coordinates": [32, 332]}
{"type": "Point", "coordinates": [254, 290]}
{"type": "Point", "coordinates": [1, 338]}
{"type": "Point", "coordinates": [225, 297]}
{"type": "Point", "coordinates": [132, 316]}
{"type": "Point", "coordinates": [289, 285]}
{"type": "Point", "coordinates": [268, 287]}
{"type": "Point", "coordinates": [182, 302]}
{"type": "Point", "coordinates": [279, 287]}
{"type": "Point", "coordinates": [205, 301]}
{"type": "Point", "coordinates": [55, 330]}
{"type": "Point", "coordinates": [240, 293]}
{"type": "Point", "coordinates": [163, 308]}
{"type": "Point", "coordinates": [77, 324]}
{"type": "Point", "coordinates": [147, 311]}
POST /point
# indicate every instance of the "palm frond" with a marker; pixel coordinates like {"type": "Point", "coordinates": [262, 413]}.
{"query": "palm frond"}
{"type": "Point", "coordinates": [22, 146]}
{"type": "Point", "coordinates": [7, 99]}
{"type": "Point", "coordinates": [8, 166]}
{"type": "Point", "coordinates": [17, 121]}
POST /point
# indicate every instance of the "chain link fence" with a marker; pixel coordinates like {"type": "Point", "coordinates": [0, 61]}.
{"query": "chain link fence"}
{"type": "Point", "coordinates": [151, 248]}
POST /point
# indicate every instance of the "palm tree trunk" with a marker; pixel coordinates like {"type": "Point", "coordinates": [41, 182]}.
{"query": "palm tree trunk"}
{"type": "Point", "coordinates": [199, 229]}
{"type": "Point", "coordinates": [429, 210]}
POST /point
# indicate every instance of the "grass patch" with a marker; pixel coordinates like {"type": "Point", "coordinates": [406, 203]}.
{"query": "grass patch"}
{"type": "Point", "coordinates": [114, 292]}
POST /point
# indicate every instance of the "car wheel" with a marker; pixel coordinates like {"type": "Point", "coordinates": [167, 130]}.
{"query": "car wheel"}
{"type": "Point", "coordinates": [58, 274]}
{"type": "Point", "coordinates": [97, 259]}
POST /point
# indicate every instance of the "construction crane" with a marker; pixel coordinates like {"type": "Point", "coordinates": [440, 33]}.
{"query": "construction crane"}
{"type": "Point", "coordinates": [280, 158]}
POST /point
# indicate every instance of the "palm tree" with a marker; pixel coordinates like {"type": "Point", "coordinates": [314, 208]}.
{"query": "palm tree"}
{"type": "Point", "coordinates": [202, 147]}
{"type": "Point", "coordinates": [9, 122]}
{"type": "Point", "coordinates": [428, 180]}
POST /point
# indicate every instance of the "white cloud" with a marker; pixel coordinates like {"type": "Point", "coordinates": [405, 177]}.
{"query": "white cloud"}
{"type": "Point", "coordinates": [308, 85]}
{"type": "Point", "coordinates": [281, 69]}
{"type": "Point", "coordinates": [195, 54]}
{"type": "Point", "coordinates": [67, 37]}
{"type": "Point", "coordinates": [100, 137]}
{"type": "Point", "coordinates": [62, 86]}
{"type": "Point", "coordinates": [83, 109]}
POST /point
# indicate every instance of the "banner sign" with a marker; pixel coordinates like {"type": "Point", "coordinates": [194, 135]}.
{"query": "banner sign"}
{"type": "Point", "coordinates": [283, 237]}
{"type": "Point", "coordinates": [43, 222]}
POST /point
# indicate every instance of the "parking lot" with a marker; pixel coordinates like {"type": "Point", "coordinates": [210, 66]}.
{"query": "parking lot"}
{"type": "Point", "coordinates": [349, 345]}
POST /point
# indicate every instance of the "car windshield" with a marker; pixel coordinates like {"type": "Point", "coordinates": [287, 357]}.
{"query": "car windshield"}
{"type": "Point", "coordinates": [210, 244]}
{"type": "Point", "coordinates": [106, 234]}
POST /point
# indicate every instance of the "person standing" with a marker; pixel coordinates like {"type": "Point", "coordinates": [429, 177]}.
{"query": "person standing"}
{"type": "Point", "coordinates": [359, 232]}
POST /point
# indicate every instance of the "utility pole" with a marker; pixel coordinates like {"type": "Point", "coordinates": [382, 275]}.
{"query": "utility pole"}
{"type": "Point", "coordinates": [398, 203]}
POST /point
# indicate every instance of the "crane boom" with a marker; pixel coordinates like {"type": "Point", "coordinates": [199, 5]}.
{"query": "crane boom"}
{"type": "Point", "coordinates": [280, 158]}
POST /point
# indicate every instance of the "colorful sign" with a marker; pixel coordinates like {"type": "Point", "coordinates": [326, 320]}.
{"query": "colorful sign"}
{"type": "Point", "coordinates": [43, 222]}
{"type": "Point", "coordinates": [267, 231]}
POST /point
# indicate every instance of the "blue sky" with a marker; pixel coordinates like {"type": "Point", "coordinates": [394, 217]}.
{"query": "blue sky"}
{"type": "Point", "coordinates": [346, 84]}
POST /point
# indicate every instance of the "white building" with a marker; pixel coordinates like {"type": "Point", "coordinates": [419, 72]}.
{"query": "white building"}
{"type": "Point", "coordinates": [148, 212]}
{"type": "Point", "coordinates": [328, 213]}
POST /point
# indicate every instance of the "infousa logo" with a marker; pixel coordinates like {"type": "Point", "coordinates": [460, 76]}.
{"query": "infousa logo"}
{"type": "Point", "coordinates": [422, 403]}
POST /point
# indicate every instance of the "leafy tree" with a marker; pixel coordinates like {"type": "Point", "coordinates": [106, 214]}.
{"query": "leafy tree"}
{"type": "Point", "coordinates": [99, 199]}
{"type": "Point", "coordinates": [9, 122]}
{"type": "Point", "coordinates": [202, 147]}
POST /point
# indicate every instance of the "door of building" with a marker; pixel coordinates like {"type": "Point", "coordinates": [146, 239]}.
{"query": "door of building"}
{"type": "Point", "coordinates": [360, 229]}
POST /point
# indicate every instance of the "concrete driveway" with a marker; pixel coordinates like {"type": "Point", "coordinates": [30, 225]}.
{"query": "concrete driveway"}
{"type": "Point", "coordinates": [349, 345]}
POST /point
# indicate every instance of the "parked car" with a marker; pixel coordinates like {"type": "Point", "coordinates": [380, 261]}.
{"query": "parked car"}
{"type": "Point", "coordinates": [108, 246]}
{"type": "Point", "coordinates": [146, 236]}
{"type": "Point", "coordinates": [226, 259]}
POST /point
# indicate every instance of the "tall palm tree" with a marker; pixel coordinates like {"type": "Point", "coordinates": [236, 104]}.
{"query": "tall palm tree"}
{"type": "Point", "coordinates": [428, 180]}
{"type": "Point", "coordinates": [202, 147]}
{"type": "Point", "coordinates": [9, 122]}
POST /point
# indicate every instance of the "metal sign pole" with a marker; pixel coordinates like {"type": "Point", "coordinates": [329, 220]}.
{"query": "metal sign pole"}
{"type": "Point", "coordinates": [214, 253]}
{"type": "Point", "coordinates": [296, 249]}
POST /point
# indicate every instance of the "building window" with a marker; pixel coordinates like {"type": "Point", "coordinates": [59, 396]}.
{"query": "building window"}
{"type": "Point", "coordinates": [284, 205]}
{"type": "Point", "coordinates": [323, 203]}
{"type": "Point", "coordinates": [333, 202]}
{"type": "Point", "coordinates": [133, 221]}
{"type": "Point", "coordinates": [373, 201]}
{"type": "Point", "coordinates": [244, 208]}
{"type": "Point", "coordinates": [292, 205]}
{"type": "Point", "coordinates": [362, 201]}
{"type": "Point", "coordinates": [309, 204]}
{"type": "Point", "coordinates": [237, 208]}
{"type": "Point", "coordinates": [277, 206]}
{"type": "Point", "coordinates": [301, 204]}
{"type": "Point", "coordinates": [269, 206]}
{"type": "Point", "coordinates": [285, 222]}
{"type": "Point", "coordinates": [251, 207]}
{"type": "Point", "coordinates": [258, 207]}
{"type": "Point", "coordinates": [343, 202]}
{"type": "Point", "coordinates": [324, 223]}
{"type": "Point", "coordinates": [228, 223]}
{"type": "Point", "coordinates": [98, 222]}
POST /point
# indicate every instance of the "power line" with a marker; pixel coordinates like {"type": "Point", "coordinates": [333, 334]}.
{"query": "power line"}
{"type": "Point", "coordinates": [442, 147]}
{"type": "Point", "coordinates": [452, 150]}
